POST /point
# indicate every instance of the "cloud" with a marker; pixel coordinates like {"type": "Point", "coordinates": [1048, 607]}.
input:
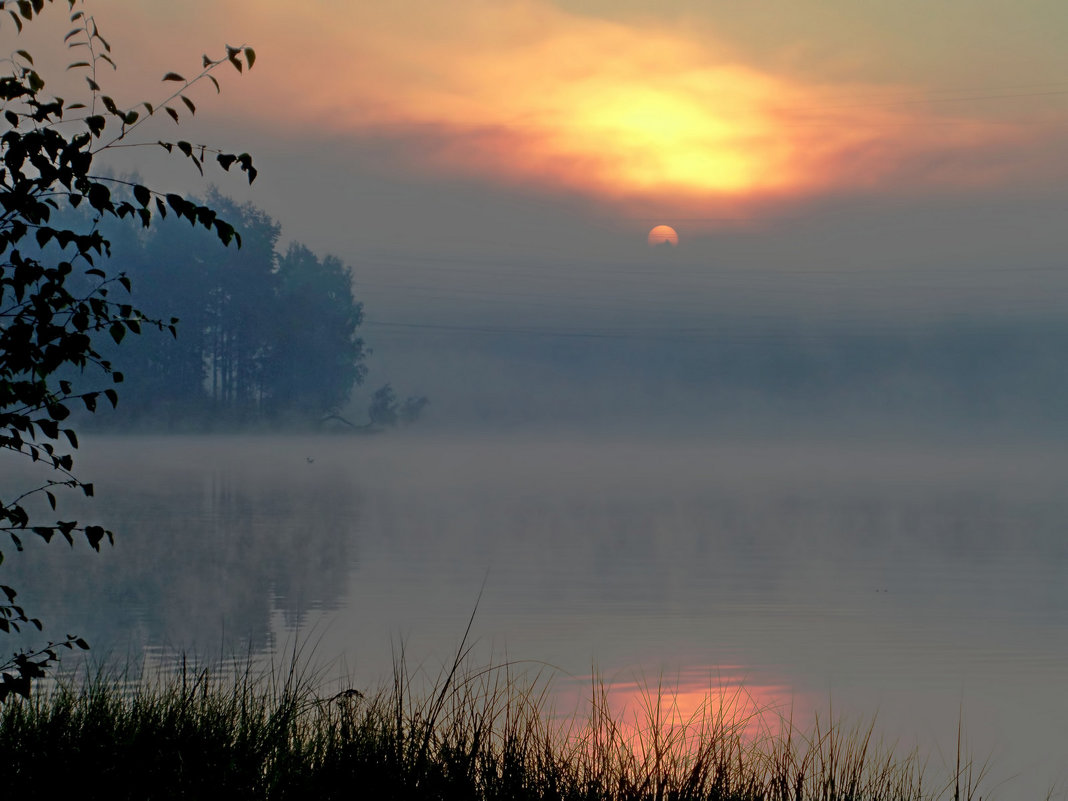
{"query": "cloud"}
{"type": "Point", "coordinates": [522, 92]}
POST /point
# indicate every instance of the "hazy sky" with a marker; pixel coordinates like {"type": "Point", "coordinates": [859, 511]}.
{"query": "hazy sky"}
{"type": "Point", "coordinates": [491, 154]}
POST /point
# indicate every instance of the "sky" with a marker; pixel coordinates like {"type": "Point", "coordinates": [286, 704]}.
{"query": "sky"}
{"type": "Point", "coordinates": [493, 127]}
{"type": "Point", "coordinates": [495, 163]}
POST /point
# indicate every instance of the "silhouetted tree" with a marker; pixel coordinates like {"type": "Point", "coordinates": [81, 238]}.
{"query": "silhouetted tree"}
{"type": "Point", "coordinates": [56, 301]}
{"type": "Point", "coordinates": [412, 408]}
{"type": "Point", "coordinates": [262, 334]}
{"type": "Point", "coordinates": [383, 408]}
{"type": "Point", "coordinates": [318, 358]}
{"type": "Point", "coordinates": [387, 411]}
{"type": "Point", "coordinates": [241, 315]}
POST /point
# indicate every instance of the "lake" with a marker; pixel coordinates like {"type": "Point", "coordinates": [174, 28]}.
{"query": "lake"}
{"type": "Point", "coordinates": [919, 582]}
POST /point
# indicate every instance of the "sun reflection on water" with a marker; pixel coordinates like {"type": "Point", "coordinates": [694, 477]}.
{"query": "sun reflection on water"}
{"type": "Point", "coordinates": [682, 713]}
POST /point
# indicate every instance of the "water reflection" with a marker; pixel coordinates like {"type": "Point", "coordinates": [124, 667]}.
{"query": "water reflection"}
{"type": "Point", "coordinates": [692, 706]}
{"type": "Point", "coordinates": [216, 548]}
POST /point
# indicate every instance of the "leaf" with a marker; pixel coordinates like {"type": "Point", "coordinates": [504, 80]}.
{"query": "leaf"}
{"type": "Point", "coordinates": [205, 216]}
{"type": "Point", "coordinates": [246, 164]}
{"type": "Point", "coordinates": [173, 76]}
{"type": "Point", "coordinates": [51, 500]}
{"type": "Point", "coordinates": [77, 64]}
{"type": "Point", "coordinates": [231, 55]}
{"type": "Point", "coordinates": [57, 411]}
{"type": "Point", "coordinates": [188, 104]}
{"type": "Point", "coordinates": [94, 534]}
{"type": "Point", "coordinates": [142, 194]}
{"type": "Point", "coordinates": [25, 55]}
{"type": "Point", "coordinates": [92, 84]}
{"type": "Point", "coordinates": [96, 124]}
{"type": "Point", "coordinates": [117, 331]}
{"type": "Point", "coordinates": [250, 56]}
{"type": "Point", "coordinates": [224, 231]}
{"type": "Point", "coordinates": [99, 197]}
{"type": "Point", "coordinates": [215, 83]}
{"type": "Point", "coordinates": [172, 112]}
{"type": "Point", "coordinates": [81, 644]}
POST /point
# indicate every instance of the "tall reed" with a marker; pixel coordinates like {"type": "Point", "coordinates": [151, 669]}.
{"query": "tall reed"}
{"type": "Point", "coordinates": [473, 734]}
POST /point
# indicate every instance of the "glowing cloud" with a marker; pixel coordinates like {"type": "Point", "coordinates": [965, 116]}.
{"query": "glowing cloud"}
{"type": "Point", "coordinates": [526, 92]}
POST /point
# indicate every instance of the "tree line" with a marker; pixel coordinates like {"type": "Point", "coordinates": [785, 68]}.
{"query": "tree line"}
{"type": "Point", "coordinates": [262, 334]}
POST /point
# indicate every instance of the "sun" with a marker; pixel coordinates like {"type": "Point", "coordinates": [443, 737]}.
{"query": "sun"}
{"type": "Point", "coordinates": [663, 235]}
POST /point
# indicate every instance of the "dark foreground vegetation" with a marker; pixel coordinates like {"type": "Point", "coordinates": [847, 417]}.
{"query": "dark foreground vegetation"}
{"type": "Point", "coordinates": [472, 735]}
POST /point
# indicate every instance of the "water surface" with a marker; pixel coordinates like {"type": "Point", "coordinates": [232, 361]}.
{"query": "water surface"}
{"type": "Point", "coordinates": [914, 581]}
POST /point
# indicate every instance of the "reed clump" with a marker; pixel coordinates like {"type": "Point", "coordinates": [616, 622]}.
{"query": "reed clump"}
{"type": "Point", "coordinates": [472, 734]}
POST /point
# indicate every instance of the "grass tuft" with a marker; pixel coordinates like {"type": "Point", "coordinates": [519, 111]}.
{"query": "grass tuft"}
{"type": "Point", "coordinates": [475, 734]}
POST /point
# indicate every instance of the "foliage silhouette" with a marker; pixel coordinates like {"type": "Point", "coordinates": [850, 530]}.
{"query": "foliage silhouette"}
{"type": "Point", "coordinates": [56, 305]}
{"type": "Point", "coordinates": [267, 336]}
{"type": "Point", "coordinates": [386, 411]}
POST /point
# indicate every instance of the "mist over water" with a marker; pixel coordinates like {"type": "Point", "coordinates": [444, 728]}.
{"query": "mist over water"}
{"type": "Point", "coordinates": [909, 579]}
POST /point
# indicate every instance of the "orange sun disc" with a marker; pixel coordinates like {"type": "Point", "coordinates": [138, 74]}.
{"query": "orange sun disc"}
{"type": "Point", "coordinates": [663, 235]}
